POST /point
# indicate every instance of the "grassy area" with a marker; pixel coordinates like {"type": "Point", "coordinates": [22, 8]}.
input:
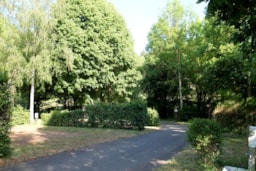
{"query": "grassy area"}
{"type": "Point", "coordinates": [50, 140]}
{"type": "Point", "coordinates": [233, 154]}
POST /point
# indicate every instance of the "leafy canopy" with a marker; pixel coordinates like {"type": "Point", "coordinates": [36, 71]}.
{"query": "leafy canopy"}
{"type": "Point", "coordinates": [94, 57]}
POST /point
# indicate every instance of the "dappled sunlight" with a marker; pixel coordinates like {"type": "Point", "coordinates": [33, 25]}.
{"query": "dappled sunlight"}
{"type": "Point", "coordinates": [159, 162]}
{"type": "Point", "coordinates": [30, 134]}
{"type": "Point", "coordinates": [142, 152]}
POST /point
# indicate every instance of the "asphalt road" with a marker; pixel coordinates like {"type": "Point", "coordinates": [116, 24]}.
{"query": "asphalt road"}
{"type": "Point", "coordinates": [140, 153]}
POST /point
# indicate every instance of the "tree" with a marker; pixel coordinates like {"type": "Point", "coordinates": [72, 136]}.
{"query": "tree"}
{"type": "Point", "coordinates": [94, 57]}
{"type": "Point", "coordinates": [240, 14]}
{"type": "Point", "coordinates": [165, 53]}
{"type": "Point", "coordinates": [5, 103]}
{"type": "Point", "coordinates": [32, 20]}
{"type": "Point", "coordinates": [208, 43]}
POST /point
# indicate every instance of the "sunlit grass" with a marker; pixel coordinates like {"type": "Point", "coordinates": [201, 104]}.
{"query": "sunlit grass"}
{"type": "Point", "coordinates": [234, 153]}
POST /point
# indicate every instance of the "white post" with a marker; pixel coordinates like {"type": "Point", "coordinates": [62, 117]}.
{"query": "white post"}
{"type": "Point", "coordinates": [252, 146]}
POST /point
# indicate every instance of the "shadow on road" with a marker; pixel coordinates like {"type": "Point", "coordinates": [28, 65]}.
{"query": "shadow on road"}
{"type": "Point", "coordinates": [143, 152]}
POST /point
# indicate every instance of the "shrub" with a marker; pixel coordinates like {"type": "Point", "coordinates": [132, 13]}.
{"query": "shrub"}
{"type": "Point", "coordinates": [75, 118]}
{"type": "Point", "coordinates": [153, 117]}
{"type": "Point", "coordinates": [121, 115]}
{"type": "Point", "coordinates": [20, 116]}
{"type": "Point", "coordinates": [5, 141]}
{"type": "Point", "coordinates": [205, 136]}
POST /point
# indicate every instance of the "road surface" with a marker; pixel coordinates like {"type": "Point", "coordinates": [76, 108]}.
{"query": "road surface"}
{"type": "Point", "coordinates": [139, 153]}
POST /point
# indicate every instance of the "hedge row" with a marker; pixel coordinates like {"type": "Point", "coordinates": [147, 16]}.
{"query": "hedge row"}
{"type": "Point", "coordinates": [75, 118]}
{"type": "Point", "coordinates": [107, 115]}
{"type": "Point", "coordinates": [5, 115]}
{"type": "Point", "coordinates": [123, 115]}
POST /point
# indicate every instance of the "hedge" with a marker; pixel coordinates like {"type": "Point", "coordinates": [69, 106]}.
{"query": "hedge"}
{"type": "Point", "coordinates": [122, 115]}
{"type": "Point", "coordinates": [5, 115]}
{"type": "Point", "coordinates": [107, 115]}
{"type": "Point", "coordinates": [75, 118]}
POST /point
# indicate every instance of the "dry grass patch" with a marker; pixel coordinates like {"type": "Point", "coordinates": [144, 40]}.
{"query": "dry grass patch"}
{"type": "Point", "coordinates": [30, 142]}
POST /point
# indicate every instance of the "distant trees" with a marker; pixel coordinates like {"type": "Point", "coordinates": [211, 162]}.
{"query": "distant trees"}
{"type": "Point", "coordinates": [192, 61]}
{"type": "Point", "coordinates": [164, 59]}
{"type": "Point", "coordinates": [240, 15]}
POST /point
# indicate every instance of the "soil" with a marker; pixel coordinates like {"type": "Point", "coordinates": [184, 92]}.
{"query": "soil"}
{"type": "Point", "coordinates": [24, 135]}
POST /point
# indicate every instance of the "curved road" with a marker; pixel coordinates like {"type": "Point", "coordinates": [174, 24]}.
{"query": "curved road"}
{"type": "Point", "coordinates": [140, 153]}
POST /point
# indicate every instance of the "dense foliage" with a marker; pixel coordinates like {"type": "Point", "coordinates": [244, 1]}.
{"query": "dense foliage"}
{"type": "Point", "coordinates": [192, 65]}
{"type": "Point", "coordinates": [74, 118]}
{"type": "Point", "coordinates": [80, 52]}
{"type": "Point", "coordinates": [110, 115]}
{"type": "Point", "coordinates": [20, 116]}
{"type": "Point", "coordinates": [5, 141]}
{"type": "Point", "coordinates": [123, 115]}
{"type": "Point", "coordinates": [153, 117]}
{"type": "Point", "coordinates": [94, 57]}
{"type": "Point", "coordinates": [240, 15]}
{"type": "Point", "coordinates": [205, 136]}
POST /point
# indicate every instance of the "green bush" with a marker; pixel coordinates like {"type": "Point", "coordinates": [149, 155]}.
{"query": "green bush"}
{"type": "Point", "coordinates": [20, 116]}
{"type": "Point", "coordinates": [153, 117]}
{"type": "Point", "coordinates": [45, 117]}
{"type": "Point", "coordinates": [5, 115]}
{"type": "Point", "coordinates": [121, 115]}
{"type": "Point", "coordinates": [205, 136]}
{"type": "Point", "coordinates": [75, 118]}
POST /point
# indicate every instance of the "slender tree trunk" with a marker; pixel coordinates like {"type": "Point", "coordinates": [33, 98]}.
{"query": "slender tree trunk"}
{"type": "Point", "coordinates": [249, 85]}
{"type": "Point", "coordinates": [180, 82]}
{"type": "Point", "coordinates": [32, 97]}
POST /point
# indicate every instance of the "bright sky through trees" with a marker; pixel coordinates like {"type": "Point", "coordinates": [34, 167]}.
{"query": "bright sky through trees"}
{"type": "Point", "coordinates": [140, 15]}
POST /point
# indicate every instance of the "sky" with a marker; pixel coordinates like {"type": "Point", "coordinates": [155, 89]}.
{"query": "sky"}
{"type": "Point", "coordinates": [140, 15]}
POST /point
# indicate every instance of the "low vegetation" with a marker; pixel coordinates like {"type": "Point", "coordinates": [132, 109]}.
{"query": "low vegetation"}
{"type": "Point", "coordinates": [205, 136]}
{"type": "Point", "coordinates": [105, 115]}
{"type": "Point", "coordinates": [233, 153]}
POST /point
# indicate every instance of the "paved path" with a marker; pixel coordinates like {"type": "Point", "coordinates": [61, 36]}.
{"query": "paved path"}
{"type": "Point", "coordinates": [140, 153]}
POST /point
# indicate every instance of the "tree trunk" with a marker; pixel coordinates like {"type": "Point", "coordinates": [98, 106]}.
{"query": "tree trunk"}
{"type": "Point", "coordinates": [179, 77]}
{"type": "Point", "coordinates": [32, 97]}
{"type": "Point", "coordinates": [249, 85]}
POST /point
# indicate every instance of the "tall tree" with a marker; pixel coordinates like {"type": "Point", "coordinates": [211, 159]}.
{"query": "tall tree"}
{"type": "Point", "coordinates": [94, 54]}
{"type": "Point", "coordinates": [32, 20]}
{"type": "Point", "coordinates": [240, 14]}
{"type": "Point", "coordinates": [167, 41]}
{"type": "Point", "coordinates": [208, 43]}
{"type": "Point", "coordinates": [5, 94]}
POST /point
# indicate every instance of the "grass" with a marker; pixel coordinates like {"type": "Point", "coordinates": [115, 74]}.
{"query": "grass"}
{"type": "Point", "coordinates": [67, 138]}
{"type": "Point", "coordinates": [233, 154]}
